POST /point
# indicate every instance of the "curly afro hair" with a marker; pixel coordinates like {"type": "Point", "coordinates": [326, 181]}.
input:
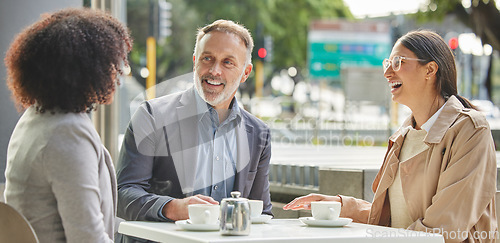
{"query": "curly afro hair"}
{"type": "Point", "coordinates": [67, 61]}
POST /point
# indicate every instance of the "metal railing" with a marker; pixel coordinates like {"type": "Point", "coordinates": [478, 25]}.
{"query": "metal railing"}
{"type": "Point", "coordinates": [290, 181]}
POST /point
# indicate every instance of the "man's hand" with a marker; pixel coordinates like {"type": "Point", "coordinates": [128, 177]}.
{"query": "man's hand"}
{"type": "Point", "coordinates": [177, 209]}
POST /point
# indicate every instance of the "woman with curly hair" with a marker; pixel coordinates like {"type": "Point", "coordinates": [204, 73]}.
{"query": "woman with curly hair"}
{"type": "Point", "coordinates": [59, 175]}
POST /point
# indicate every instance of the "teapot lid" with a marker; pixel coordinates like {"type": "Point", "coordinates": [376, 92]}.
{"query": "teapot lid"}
{"type": "Point", "coordinates": [235, 196]}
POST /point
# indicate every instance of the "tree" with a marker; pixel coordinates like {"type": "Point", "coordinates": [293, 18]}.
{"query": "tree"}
{"type": "Point", "coordinates": [174, 54]}
{"type": "Point", "coordinates": [286, 21]}
{"type": "Point", "coordinates": [483, 17]}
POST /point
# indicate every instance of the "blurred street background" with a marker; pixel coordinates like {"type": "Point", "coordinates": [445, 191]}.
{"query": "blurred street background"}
{"type": "Point", "coordinates": [317, 77]}
{"type": "Point", "coordinates": [317, 64]}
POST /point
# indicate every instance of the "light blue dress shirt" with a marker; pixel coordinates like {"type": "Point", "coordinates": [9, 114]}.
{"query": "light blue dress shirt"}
{"type": "Point", "coordinates": [217, 151]}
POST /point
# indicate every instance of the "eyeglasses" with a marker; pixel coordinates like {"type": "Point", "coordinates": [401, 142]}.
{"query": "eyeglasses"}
{"type": "Point", "coordinates": [396, 62]}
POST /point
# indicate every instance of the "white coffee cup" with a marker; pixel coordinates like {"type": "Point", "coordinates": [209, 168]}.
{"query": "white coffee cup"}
{"type": "Point", "coordinates": [204, 213]}
{"type": "Point", "coordinates": [324, 210]}
{"type": "Point", "coordinates": [255, 208]}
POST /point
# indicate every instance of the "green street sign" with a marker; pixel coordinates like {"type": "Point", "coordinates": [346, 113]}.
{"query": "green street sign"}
{"type": "Point", "coordinates": [327, 58]}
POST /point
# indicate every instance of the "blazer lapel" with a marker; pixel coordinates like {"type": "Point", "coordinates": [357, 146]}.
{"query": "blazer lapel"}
{"type": "Point", "coordinates": [185, 157]}
{"type": "Point", "coordinates": [245, 141]}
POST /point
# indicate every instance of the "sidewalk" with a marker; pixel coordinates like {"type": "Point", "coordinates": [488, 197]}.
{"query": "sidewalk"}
{"type": "Point", "coordinates": [339, 157]}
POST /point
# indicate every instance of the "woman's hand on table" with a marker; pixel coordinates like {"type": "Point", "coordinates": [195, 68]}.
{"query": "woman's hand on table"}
{"type": "Point", "coordinates": [304, 202]}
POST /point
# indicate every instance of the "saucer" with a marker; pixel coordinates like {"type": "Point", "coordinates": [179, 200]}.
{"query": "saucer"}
{"type": "Point", "coordinates": [187, 225]}
{"type": "Point", "coordinates": [261, 219]}
{"type": "Point", "coordinates": [325, 223]}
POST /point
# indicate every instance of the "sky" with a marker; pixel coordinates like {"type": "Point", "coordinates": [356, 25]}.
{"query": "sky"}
{"type": "Point", "coordinates": [374, 8]}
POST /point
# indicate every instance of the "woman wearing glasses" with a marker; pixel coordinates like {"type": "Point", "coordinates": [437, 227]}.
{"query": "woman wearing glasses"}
{"type": "Point", "coordinates": [439, 173]}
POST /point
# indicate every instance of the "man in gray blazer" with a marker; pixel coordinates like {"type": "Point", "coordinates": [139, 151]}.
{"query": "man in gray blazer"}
{"type": "Point", "coordinates": [198, 145]}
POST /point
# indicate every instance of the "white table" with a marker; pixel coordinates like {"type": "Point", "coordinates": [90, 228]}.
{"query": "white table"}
{"type": "Point", "coordinates": [278, 230]}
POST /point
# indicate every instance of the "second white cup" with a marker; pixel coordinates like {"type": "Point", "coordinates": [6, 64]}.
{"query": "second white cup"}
{"type": "Point", "coordinates": [256, 207]}
{"type": "Point", "coordinates": [325, 210]}
{"type": "Point", "coordinates": [204, 213]}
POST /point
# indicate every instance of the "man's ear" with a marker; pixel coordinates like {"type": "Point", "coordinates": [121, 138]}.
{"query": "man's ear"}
{"type": "Point", "coordinates": [248, 70]}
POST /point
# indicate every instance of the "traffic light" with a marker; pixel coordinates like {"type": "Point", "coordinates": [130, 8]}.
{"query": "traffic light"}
{"type": "Point", "coordinates": [268, 46]}
{"type": "Point", "coordinates": [264, 48]}
{"type": "Point", "coordinates": [453, 43]}
{"type": "Point", "coordinates": [262, 53]}
{"type": "Point", "coordinates": [164, 16]}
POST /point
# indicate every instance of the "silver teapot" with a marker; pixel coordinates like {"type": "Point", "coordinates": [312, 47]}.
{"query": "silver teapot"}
{"type": "Point", "coordinates": [235, 215]}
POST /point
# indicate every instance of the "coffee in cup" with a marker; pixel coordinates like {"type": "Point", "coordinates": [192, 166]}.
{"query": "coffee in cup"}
{"type": "Point", "coordinates": [204, 213]}
{"type": "Point", "coordinates": [325, 210]}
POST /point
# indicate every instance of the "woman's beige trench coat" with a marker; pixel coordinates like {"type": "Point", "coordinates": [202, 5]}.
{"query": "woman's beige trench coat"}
{"type": "Point", "coordinates": [449, 188]}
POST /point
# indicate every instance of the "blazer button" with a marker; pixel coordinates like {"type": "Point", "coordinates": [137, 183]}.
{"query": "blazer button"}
{"type": "Point", "coordinates": [215, 187]}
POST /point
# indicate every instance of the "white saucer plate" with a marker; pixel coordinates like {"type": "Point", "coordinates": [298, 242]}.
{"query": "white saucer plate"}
{"type": "Point", "coordinates": [325, 223]}
{"type": "Point", "coordinates": [187, 225]}
{"type": "Point", "coordinates": [262, 219]}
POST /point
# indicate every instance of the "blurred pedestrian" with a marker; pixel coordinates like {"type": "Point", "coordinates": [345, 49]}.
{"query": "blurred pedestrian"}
{"type": "Point", "coordinates": [439, 172]}
{"type": "Point", "coordinates": [59, 175]}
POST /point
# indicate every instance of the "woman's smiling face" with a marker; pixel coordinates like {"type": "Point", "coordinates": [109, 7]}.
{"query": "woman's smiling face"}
{"type": "Point", "coordinates": [408, 83]}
